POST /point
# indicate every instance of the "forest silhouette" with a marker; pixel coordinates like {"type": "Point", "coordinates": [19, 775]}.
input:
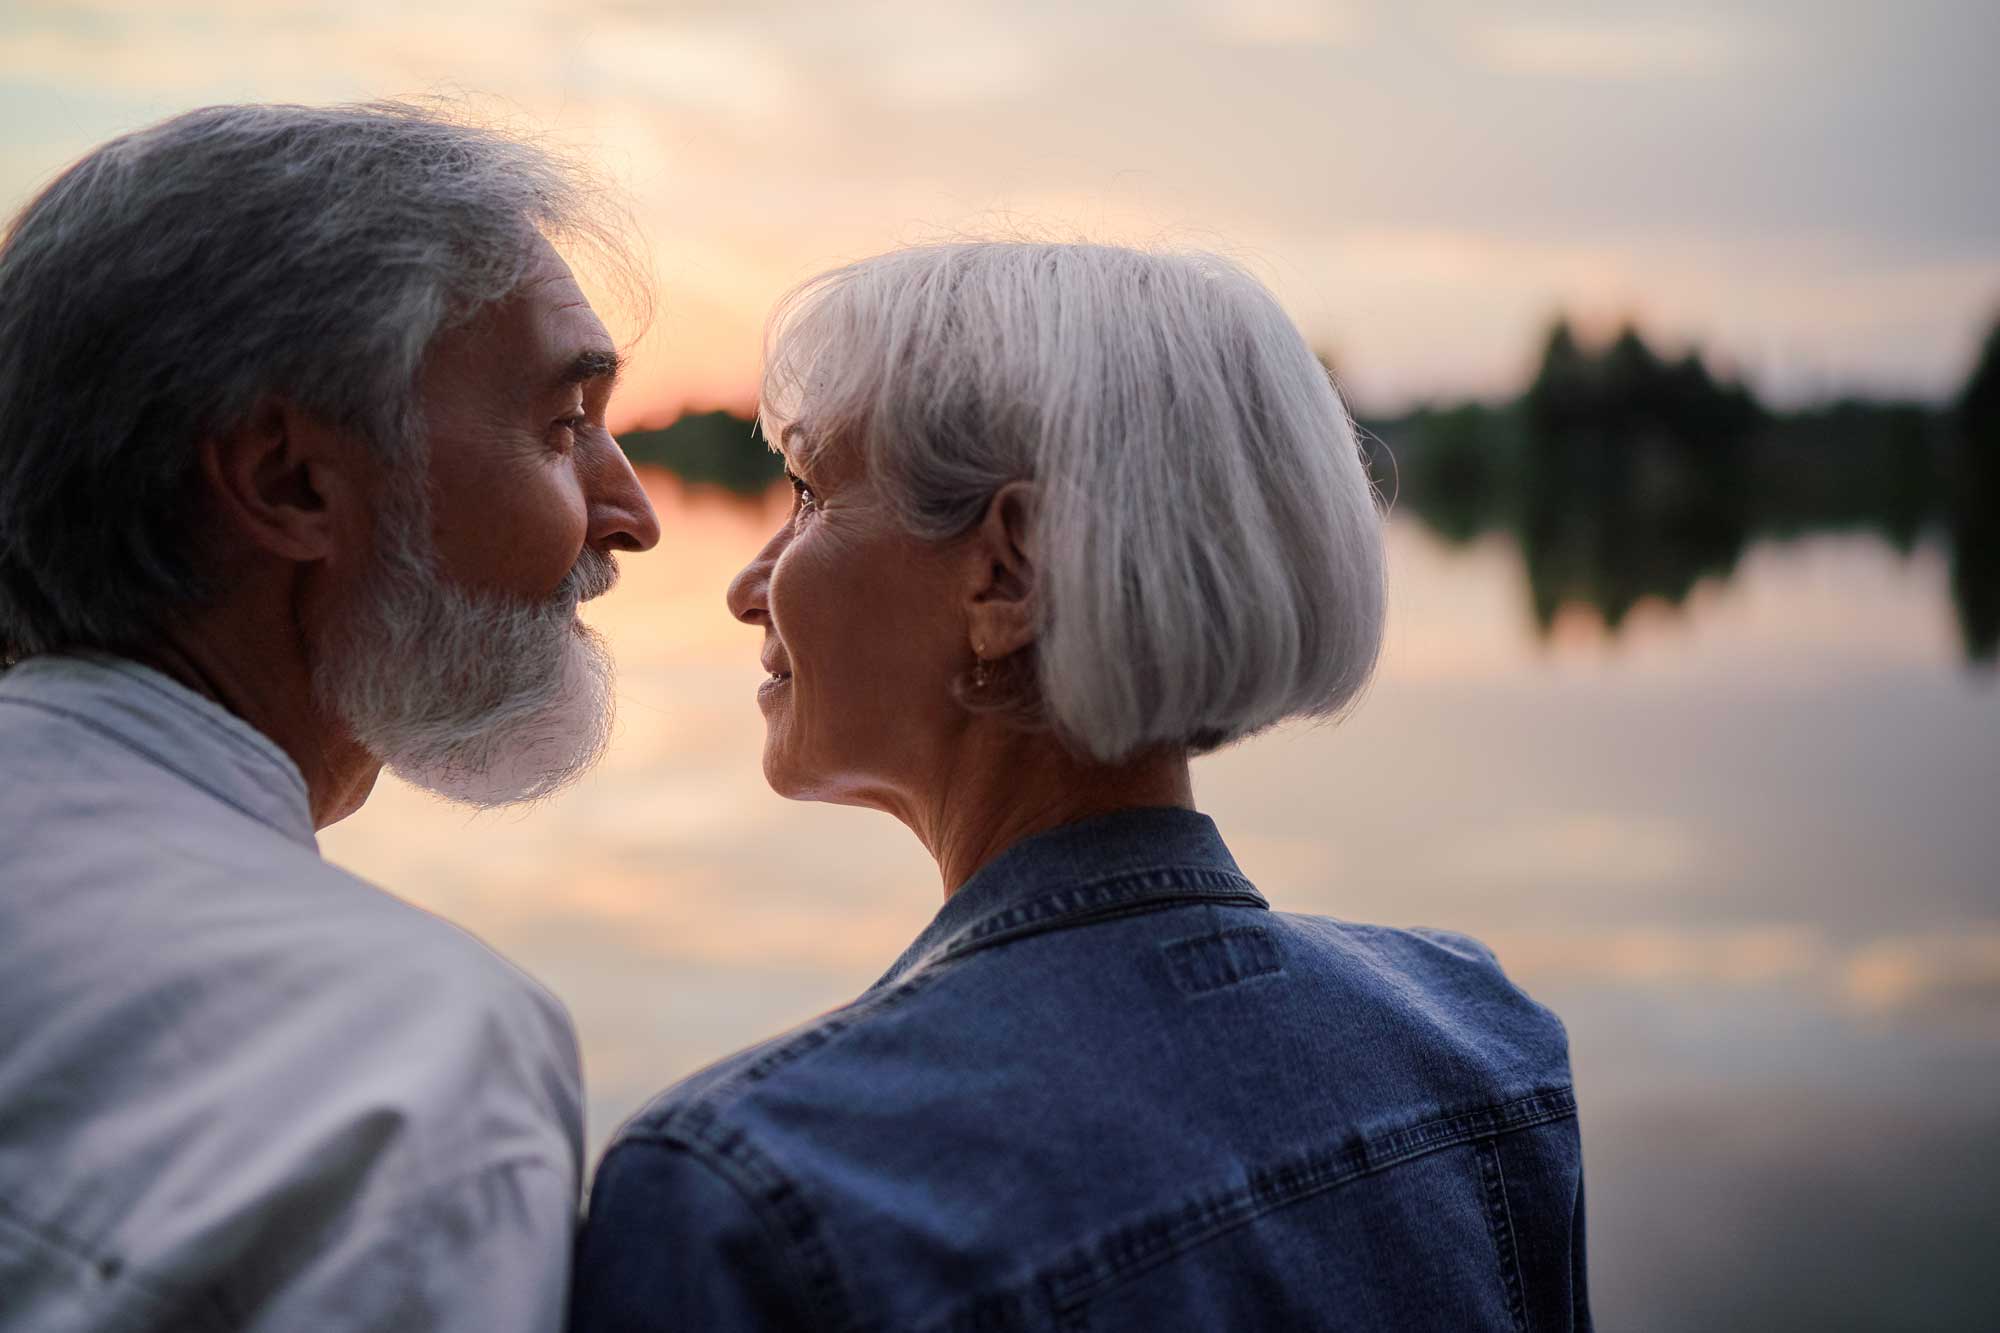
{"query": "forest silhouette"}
{"type": "Point", "coordinates": [1624, 476]}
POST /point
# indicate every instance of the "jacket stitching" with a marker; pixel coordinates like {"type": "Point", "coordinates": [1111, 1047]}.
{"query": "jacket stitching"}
{"type": "Point", "coordinates": [780, 1203]}
{"type": "Point", "coordinates": [1579, 1290]}
{"type": "Point", "coordinates": [781, 1206]}
{"type": "Point", "coordinates": [793, 1049]}
{"type": "Point", "coordinates": [1102, 901]}
{"type": "Point", "coordinates": [1145, 1244]}
{"type": "Point", "coordinates": [1067, 1286]}
{"type": "Point", "coordinates": [1204, 964]}
{"type": "Point", "coordinates": [1500, 1223]}
{"type": "Point", "coordinates": [1105, 889]}
{"type": "Point", "coordinates": [753, 1179]}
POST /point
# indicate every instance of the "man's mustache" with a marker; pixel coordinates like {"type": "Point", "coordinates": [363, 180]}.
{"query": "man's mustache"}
{"type": "Point", "coordinates": [594, 574]}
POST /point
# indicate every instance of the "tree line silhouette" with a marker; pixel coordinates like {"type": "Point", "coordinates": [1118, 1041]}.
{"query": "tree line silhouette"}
{"type": "Point", "coordinates": [1623, 475]}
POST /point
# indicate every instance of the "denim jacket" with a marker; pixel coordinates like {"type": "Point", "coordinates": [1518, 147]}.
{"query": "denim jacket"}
{"type": "Point", "coordinates": [1109, 1089]}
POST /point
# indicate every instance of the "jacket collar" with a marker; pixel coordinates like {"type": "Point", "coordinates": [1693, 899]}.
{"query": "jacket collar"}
{"type": "Point", "coordinates": [1112, 865]}
{"type": "Point", "coordinates": [193, 737]}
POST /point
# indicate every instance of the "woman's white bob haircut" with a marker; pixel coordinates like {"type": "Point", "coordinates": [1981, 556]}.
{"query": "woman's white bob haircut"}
{"type": "Point", "coordinates": [1206, 543]}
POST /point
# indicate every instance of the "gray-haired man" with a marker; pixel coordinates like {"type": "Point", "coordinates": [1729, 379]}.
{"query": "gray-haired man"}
{"type": "Point", "coordinates": [303, 471]}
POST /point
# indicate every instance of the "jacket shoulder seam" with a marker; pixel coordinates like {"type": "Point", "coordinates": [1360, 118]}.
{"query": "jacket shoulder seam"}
{"type": "Point", "coordinates": [777, 1202]}
{"type": "Point", "coordinates": [701, 1113]}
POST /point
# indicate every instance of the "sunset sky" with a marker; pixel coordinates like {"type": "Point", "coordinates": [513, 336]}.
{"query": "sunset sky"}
{"type": "Point", "coordinates": [1807, 189]}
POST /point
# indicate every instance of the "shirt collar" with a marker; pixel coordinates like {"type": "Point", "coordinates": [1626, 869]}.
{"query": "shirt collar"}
{"type": "Point", "coordinates": [185, 733]}
{"type": "Point", "coordinates": [1111, 865]}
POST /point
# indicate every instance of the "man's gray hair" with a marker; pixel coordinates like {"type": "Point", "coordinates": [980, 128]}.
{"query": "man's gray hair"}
{"type": "Point", "coordinates": [163, 286]}
{"type": "Point", "coordinates": [1207, 542]}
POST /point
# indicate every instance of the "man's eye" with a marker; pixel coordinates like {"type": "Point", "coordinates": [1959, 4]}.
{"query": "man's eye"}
{"type": "Point", "coordinates": [564, 432]}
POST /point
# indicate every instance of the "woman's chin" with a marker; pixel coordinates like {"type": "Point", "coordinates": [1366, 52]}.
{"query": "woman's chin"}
{"type": "Point", "coordinates": [798, 782]}
{"type": "Point", "coordinates": [784, 777]}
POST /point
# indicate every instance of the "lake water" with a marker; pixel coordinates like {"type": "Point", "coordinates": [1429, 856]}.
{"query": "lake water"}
{"type": "Point", "coordinates": [1747, 848]}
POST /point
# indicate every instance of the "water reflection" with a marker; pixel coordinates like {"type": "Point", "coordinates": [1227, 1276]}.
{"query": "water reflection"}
{"type": "Point", "coordinates": [1623, 478]}
{"type": "Point", "coordinates": [1744, 847]}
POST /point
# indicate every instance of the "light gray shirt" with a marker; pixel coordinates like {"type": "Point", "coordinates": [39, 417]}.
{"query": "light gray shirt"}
{"type": "Point", "coordinates": [240, 1088]}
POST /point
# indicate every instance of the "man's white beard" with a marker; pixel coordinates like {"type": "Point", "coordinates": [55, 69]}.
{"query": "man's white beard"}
{"type": "Point", "coordinates": [477, 697]}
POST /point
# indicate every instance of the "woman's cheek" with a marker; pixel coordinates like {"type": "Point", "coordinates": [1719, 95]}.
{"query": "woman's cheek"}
{"type": "Point", "coordinates": [791, 600]}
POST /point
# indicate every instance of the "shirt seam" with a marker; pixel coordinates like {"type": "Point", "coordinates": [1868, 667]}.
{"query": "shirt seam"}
{"type": "Point", "coordinates": [108, 1268]}
{"type": "Point", "coordinates": [426, 1194]}
{"type": "Point", "coordinates": [212, 1293]}
{"type": "Point", "coordinates": [91, 724]}
{"type": "Point", "coordinates": [396, 1214]}
{"type": "Point", "coordinates": [196, 707]}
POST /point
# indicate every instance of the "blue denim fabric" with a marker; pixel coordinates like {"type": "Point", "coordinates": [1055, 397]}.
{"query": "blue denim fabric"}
{"type": "Point", "coordinates": [1108, 1088]}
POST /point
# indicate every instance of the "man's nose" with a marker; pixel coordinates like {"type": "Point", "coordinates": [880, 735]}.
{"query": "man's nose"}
{"type": "Point", "coordinates": [621, 514]}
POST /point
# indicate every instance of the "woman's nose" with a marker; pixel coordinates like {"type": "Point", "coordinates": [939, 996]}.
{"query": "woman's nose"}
{"type": "Point", "coordinates": [750, 589]}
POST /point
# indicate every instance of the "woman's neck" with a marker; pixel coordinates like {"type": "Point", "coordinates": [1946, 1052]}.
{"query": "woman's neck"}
{"type": "Point", "coordinates": [1008, 785]}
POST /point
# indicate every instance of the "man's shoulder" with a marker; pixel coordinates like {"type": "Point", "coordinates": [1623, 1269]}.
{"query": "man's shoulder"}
{"type": "Point", "coordinates": [263, 956]}
{"type": "Point", "coordinates": [286, 1044]}
{"type": "Point", "coordinates": [413, 986]}
{"type": "Point", "coordinates": [383, 936]}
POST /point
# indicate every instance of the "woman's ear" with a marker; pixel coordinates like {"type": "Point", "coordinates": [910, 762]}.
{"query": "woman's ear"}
{"type": "Point", "coordinates": [285, 484]}
{"type": "Point", "coordinates": [1003, 592]}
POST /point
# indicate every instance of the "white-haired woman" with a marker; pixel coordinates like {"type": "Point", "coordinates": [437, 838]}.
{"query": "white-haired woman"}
{"type": "Point", "coordinates": [1067, 515]}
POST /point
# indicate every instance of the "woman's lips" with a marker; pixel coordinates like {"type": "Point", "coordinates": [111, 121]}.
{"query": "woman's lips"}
{"type": "Point", "coordinates": [773, 684]}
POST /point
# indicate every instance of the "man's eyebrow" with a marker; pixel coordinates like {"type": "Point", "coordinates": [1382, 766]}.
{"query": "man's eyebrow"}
{"type": "Point", "coordinates": [594, 363]}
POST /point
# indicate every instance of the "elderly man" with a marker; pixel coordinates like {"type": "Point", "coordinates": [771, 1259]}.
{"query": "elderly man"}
{"type": "Point", "coordinates": [303, 472]}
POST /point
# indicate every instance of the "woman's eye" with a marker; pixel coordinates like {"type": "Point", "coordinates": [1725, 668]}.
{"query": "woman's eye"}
{"type": "Point", "coordinates": [807, 500]}
{"type": "Point", "coordinates": [565, 431]}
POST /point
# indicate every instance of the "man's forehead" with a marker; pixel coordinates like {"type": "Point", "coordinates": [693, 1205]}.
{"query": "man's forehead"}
{"type": "Point", "coordinates": [559, 303]}
{"type": "Point", "coordinates": [542, 337]}
{"type": "Point", "coordinates": [556, 301]}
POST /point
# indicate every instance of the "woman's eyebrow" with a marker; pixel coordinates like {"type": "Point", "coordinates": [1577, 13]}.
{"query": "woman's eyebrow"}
{"type": "Point", "coordinates": [792, 439]}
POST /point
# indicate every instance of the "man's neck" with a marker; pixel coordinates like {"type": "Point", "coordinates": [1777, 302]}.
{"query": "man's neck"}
{"type": "Point", "coordinates": [269, 687]}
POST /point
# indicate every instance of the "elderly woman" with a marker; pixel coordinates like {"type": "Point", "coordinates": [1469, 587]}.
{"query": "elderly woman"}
{"type": "Point", "coordinates": [1066, 516]}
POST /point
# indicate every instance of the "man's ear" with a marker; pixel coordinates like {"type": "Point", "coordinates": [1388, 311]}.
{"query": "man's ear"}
{"type": "Point", "coordinates": [284, 483]}
{"type": "Point", "coordinates": [1002, 591]}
